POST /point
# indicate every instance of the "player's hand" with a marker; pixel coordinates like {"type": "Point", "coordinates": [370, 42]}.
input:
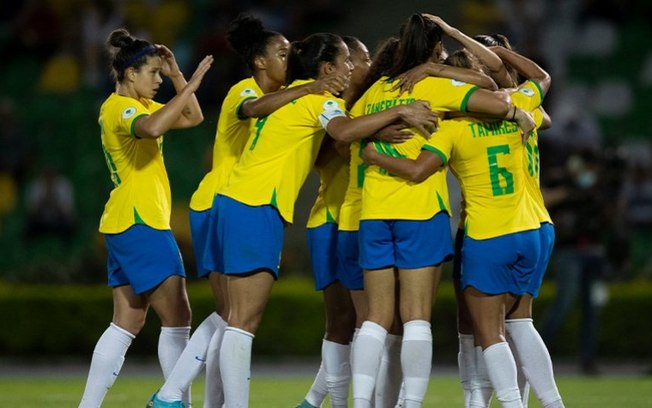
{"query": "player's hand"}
{"type": "Point", "coordinates": [419, 116]}
{"type": "Point", "coordinates": [525, 121]}
{"type": "Point", "coordinates": [409, 78]}
{"type": "Point", "coordinates": [199, 73]}
{"type": "Point", "coordinates": [395, 133]}
{"type": "Point", "coordinates": [169, 66]}
{"type": "Point", "coordinates": [334, 83]}
{"type": "Point", "coordinates": [369, 153]}
{"type": "Point", "coordinates": [446, 28]}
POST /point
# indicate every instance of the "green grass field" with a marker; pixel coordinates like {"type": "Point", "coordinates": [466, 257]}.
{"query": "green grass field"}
{"type": "Point", "coordinates": [284, 392]}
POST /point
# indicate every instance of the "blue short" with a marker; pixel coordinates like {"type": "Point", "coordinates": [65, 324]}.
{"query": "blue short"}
{"type": "Point", "coordinates": [405, 244]}
{"type": "Point", "coordinates": [142, 257]}
{"type": "Point", "coordinates": [547, 242]}
{"type": "Point", "coordinates": [211, 253]}
{"type": "Point", "coordinates": [248, 238]}
{"type": "Point", "coordinates": [322, 243]}
{"type": "Point", "coordinates": [199, 221]}
{"type": "Point", "coordinates": [504, 264]}
{"type": "Point", "coordinates": [348, 260]}
{"type": "Point", "coordinates": [457, 259]}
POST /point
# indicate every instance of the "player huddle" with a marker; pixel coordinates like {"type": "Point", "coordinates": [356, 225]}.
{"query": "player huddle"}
{"type": "Point", "coordinates": [382, 135]}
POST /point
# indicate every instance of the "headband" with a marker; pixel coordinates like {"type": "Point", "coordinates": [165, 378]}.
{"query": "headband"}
{"type": "Point", "coordinates": [147, 50]}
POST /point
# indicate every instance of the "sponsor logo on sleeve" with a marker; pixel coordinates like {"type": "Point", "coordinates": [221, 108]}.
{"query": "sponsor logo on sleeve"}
{"type": "Point", "coordinates": [455, 82]}
{"type": "Point", "coordinates": [248, 92]}
{"type": "Point", "coordinates": [527, 91]}
{"type": "Point", "coordinates": [129, 112]}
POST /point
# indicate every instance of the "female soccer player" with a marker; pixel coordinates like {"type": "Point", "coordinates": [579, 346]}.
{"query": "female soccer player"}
{"type": "Point", "coordinates": [334, 374]}
{"type": "Point", "coordinates": [144, 265]}
{"type": "Point", "coordinates": [265, 54]}
{"type": "Point", "coordinates": [263, 188]}
{"type": "Point", "coordinates": [499, 253]}
{"type": "Point", "coordinates": [405, 225]}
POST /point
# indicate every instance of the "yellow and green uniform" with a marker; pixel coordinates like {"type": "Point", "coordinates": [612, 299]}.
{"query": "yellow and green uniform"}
{"type": "Point", "coordinates": [488, 160]}
{"type": "Point", "coordinates": [232, 133]}
{"type": "Point", "coordinates": [352, 205]}
{"type": "Point", "coordinates": [280, 152]}
{"type": "Point", "coordinates": [141, 193]}
{"type": "Point", "coordinates": [333, 176]}
{"type": "Point", "coordinates": [389, 197]}
{"type": "Point", "coordinates": [529, 97]}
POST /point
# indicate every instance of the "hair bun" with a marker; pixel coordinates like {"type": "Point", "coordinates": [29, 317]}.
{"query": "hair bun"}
{"type": "Point", "coordinates": [121, 38]}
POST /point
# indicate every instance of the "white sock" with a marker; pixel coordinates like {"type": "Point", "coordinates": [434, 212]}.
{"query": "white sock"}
{"type": "Point", "coordinates": [190, 363]}
{"type": "Point", "coordinates": [171, 343]}
{"type": "Point", "coordinates": [502, 372]}
{"type": "Point", "coordinates": [523, 385]}
{"type": "Point", "coordinates": [466, 364]}
{"type": "Point", "coordinates": [390, 374]}
{"type": "Point", "coordinates": [416, 360]}
{"type": "Point", "coordinates": [401, 396]}
{"type": "Point", "coordinates": [535, 360]}
{"type": "Point", "coordinates": [235, 366]}
{"type": "Point", "coordinates": [481, 388]}
{"type": "Point", "coordinates": [319, 389]}
{"type": "Point", "coordinates": [368, 349]}
{"type": "Point", "coordinates": [108, 356]}
{"type": "Point", "coordinates": [213, 391]}
{"type": "Point", "coordinates": [336, 358]}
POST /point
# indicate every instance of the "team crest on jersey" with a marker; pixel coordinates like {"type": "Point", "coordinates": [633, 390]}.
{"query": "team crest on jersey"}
{"type": "Point", "coordinates": [129, 112]}
{"type": "Point", "coordinates": [248, 92]}
{"type": "Point", "coordinates": [526, 91]}
{"type": "Point", "coordinates": [455, 82]}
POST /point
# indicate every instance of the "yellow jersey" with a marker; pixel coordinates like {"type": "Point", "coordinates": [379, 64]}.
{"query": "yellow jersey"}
{"type": "Point", "coordinates": [141, 190]}
{"type": "Point", "coordinates": [281, 151]}
{"type": "Point", "coordinates": [333, 177]}
{"type": "Point", "coordinates": [230, 138]}
{"type": "Point", "coordinates": [488, 160]}
{"type": "Point", "coordinates": [529, 96]}
{"type": "Point", "coordinates": [389, 197]}
{"type": "Point", "coordinates": [352, 205]}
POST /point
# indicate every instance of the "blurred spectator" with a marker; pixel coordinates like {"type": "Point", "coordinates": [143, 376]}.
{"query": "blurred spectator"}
{"type": "Point", "coordinates": [579, 258]}
{"type": "Point", "coordinates": [50, 206]}
{"type": "Point", "coordinates": [36, 31]}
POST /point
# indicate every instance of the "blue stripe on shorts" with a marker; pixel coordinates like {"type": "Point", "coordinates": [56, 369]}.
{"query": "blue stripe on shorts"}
{"type": "Point", "coordinates": [142, 257]}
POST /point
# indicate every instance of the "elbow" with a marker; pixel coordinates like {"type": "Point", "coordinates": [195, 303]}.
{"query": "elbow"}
{"type": "Point", "coordinates": [419, 175]}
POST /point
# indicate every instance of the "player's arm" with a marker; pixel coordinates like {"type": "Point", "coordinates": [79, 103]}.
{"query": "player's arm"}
{"type": "Point", "coordinates": [268, 103]}
{"type": "Point", "coordinates": [181, 111]}
{"type": "Point", "coordinates": [408, 79]}
{"type": "Point", "coordinates": [416, 170]}
{"type": "Point", "coordinates": [417, 114]}
{"type": "Point", "coordinates": [484, 54]}
{"type": "Point", "coordinates": [525, 66]}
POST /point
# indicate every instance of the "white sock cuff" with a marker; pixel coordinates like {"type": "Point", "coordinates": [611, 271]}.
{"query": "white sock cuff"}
{"type": "Point", "coordinates": [180, 331]}
{"type": "Point", "coordinates": [337, 346]}
{"type": "Point", "coordinates": [417, 330]}
{"type": "Point", "coordinates": [374, 330]}
{"type": "Point", "coordinates": [495, 347]}
{"type": "Point", "coordinates": [516, 321]}
{"type": "Point", "coordinates": [239, 331]}
{"type": "Point", "coordinates": [122, 331]}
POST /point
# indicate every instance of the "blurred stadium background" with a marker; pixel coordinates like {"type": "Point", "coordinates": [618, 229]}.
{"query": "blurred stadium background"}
{"type": "Point", "coordinates": [596, 160]}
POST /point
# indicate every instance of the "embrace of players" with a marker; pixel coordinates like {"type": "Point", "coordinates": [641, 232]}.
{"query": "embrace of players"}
{"type": "Point", "coordinates": [382, 135]}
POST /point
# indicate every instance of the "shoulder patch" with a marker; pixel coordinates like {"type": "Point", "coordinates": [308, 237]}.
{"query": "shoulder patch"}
{"type": "Point", "coordinates": [331, 105]}
{"type": "Point", "coordinates": [455, 82]}
{"type": "Point", "coordinates": [129, 112]}
{"type": "Point", "coordinates": [248, 92]}
{"type": "Point", "coordinates": [526, 91]}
